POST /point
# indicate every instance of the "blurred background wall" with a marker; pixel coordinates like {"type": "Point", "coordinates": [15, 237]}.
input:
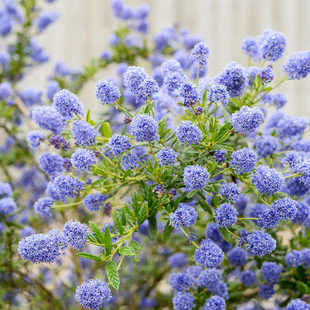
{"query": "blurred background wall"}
{"type": "Point", "coordinates": [83, 29]}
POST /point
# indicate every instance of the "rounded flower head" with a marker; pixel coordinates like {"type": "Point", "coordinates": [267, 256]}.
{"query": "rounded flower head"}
{"type": "Point", "coordinates": [298, 65]}
{"type": "Point", "coordinates": [130, 161]}
{"type": "Point", "coordinates": [286, 208]}
{"type": "Point", "coordinates": [184, 215]}
{"type": "Point", "coordinates": [243, 161]}
{"type": "Point", "coordinates": [166, 157]}
{"type": "Point", "coordinates": [40, 248]}
{"type": "Point", "coordinates": [267, 180]}
{"type": "Point", "coordinates": [189, 93]}
{"type": "Point", "coordinates": [298, 304]}
{"type": "Point", "coordinates": [279, 100]}
{"type": "Point", "coordinates": [215, 303]}
{"type": "Point", "coordinates": [144, 128]}
{"type": "Point", "coordinates": [234, 78]}
{"type": "Point", "coordinates": [272, 45]}
{"type": "Point", "coordinates": [209, 278]}
{"type": "Point", "coordinates": [266, 291]}
{"type": "Point", "coordinates": [45, 19]}
{"type": "Point", "coordinates": [247, 120]}
{"type": "Point", "coordinates": [84, 134]}
{"type": "Point", "coordinates": [200, 53]}
{"type": "Point", "coordinates": [119, 144]}
{"type": "Point", "coordinates": [183, 301]}
{"type": "Point", "coordinates": [94, 201]}
{"type": "Point", "coordinates": [76, 234]}
{"type": "Point", "coordinates": [67, 104]}
{"type": "Point", "coordinates": [260, 243]}
{"type": "Point", "coordinates": [52, 164]}
{"type": "Point", "coordinates": [83, 159]}
{"type": "Point", "coordinates": [266, 75]}
{"type": "Point", "coordinates": [7, 206]}
{"type": "Point", "coordinates": [195, 177]}
{"type": "Point", "coordinates": [93, 294]}
{"type": "Point", "coordinates": [134, 77]}
{"type": "Point", "coordinates": [188, 133]}
{"type": "Point", "coordinates": [107, 92]}
{"type": "Point", "coordinates": [271, 272]}
{"type": "Point", "coordinates": [5, 90]}
{"type": "Point", "coordinates": [230, 192]}
{"type": "Point", "coordinates": [34, 138]}
{"type": "Point", "coordinates": [48, 118]}
{"type": "Point", "coordinates": [218, 93]}
{"type": "Point", "coordinates": [266, 145]}
{"type": "Point", "coordinates": [250, 48]}
{"type": "Point", "coordinates": [180, 282]}
{"type": "Point", "coordinates": [5, 190]}
{"type": "Point", "coordinates": [177, 260]}
{"type": "Point", "coordinates": [294, 258]}
{"type": "Point", "coordinates": [248, 277]}
{"type": "Point", "coordinates": [237, 256]}
{"type": "Point", "coordinates": [268, 218]}
{"type": "Point", "coordinates": [63, 187]}
{"type": "Point", "coordinates": [226, 215]}
{"type": "Point", "coordinates": [52, 88]}
{"type": "Point", "coordinates": [43, 206]}
{"type": "Point", "coordinates": [209, 254]}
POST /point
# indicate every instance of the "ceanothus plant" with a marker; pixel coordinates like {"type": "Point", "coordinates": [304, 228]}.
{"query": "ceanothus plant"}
{"type": "Point", "coordinates": [189, 192]}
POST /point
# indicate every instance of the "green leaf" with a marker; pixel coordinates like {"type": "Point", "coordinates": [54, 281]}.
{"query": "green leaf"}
{"type": "Point", "coordinates": [143, 212]}
{"type": "Point", "coordinates": [98, 233]}
{"type": "Point", "coordinates": [117, 221]}
{"type": "Point", "coordinates": [167, 232]}
{"type": "Point", "coordinates": [127, 251]}
{"type": "Point", "coordinates": [105, 129]}
{"type": "Point", "coordinates": [135, 245]}
{"type": "Point", "coordinates": [107, 240]}
{"type": "Point", "coordinates": [89, 256]}
{"type": "Point", "coordinates": [112, 274]}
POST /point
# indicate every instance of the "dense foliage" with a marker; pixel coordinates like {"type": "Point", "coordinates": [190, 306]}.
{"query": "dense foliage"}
{"type": "Point", "coordinates": [184, 191]}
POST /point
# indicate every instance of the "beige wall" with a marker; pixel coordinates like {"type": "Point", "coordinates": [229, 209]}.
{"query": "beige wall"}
{"type": "Point", "coordinates": [83, 30]}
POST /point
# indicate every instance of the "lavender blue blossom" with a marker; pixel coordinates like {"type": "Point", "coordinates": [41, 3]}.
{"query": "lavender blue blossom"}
{"type": "Point", "coordinates": [286, 208]}
{"type": "Point", "coordinates": [297, 304]}
{"type": "Point", "coordinates": [234, 78]}
{"type": "Point", "coordinates": [48, 118]}
{"type": "Point", "coordinates": [144, 128]}
{"type": "Point", "coordinates": [94, 201]}
{"type": "Point", "coordinates": [271, 272]}
{"type": "Point", "coordinates": [266, 145]}
{"type": "Point", "coordinates": [67, 104]}
{"type": "Point", "coordinates": [218, 93]}
{"type": "Point", "coordinates": [4, 59]}
{"type": "Point", "coordinates": [247, 120]}
{"type": "Point", "coordinates": [177, 260]}
{"type": "Point", "coordinates": [183, 301]}
{"type": "Point", "coordinates": [189, 93]}
{"type": "Point", "coordinates": [266, 291]}
{"type": "Point", "coordinates": [52, 164]}
{"type": "Point", "coordinates": [294, 258]}
{"type": "Point", "coordinates": [214, 303]}
{"type": "Point", "coordinates": [7, 206]}
{"type": "Point", "coordinates": [166, 157]}
{"type": "Point", "coordinates": [209, 278]}
{"type": "Point", "coordinates": [83, 133]}
{"type": "Point", "coordinates": [266, 74]}
{"type": "Point", "coordinates": [230, 192]}
{"type": "Point", "coordinates": [226, 215]}
{"type": "Point", "coordinates": [188, 133]}
{"type": "Point", "coordinates": [45, 19]}
{"type": "Point", "coordinates": [250, 48]}
{"type": "Point", "coordinates": [184, 215]}
{"type": "Point", "coordinates": [291, 126]}
{"type": "Point", "coordinates": [134, 77]}
{"type": "Point", "coordinates": [83, 159]}
{"type": "Point", "coordinates": [76, 234]}
{"type": "Point", "coordinates": [34, 138]}
{"type": "Point", "coordinates": [267, 180]}
{"type": "Point", "coordinates": [200, 53]}
{"type": "Point", "coordinates": [297, 66]}
{"type": "Point", "coordinates": [107, 92]}
{"type": "Point", "coordinates": [269, 218]}
{"type": "Point", "coordinates": [93, 294]}
{"type": "Point", "coordinates": [195, 177]}
{"type": "Point", "coordinates": [119, 144]}
{"type": "Point", "coordinates": [260, 243]}
{"type": "Point", "coordinates": [237, 256]}
{"type": "Point", "coordinates": [243, 161]}
{"type": "Point", "coordinates": [180, 281]}
{"type": "Point", "coordinates": [279, 100]}
{"type": "Point", "coordinates": [5, 190]}
{"type": "Point", "coordinates": [220, 155]}
{"type": "Point", "coordinates": [209, 254]}
{"type": "Point", "coordinates": [43, 206]}
{"type": "Point", "coordinates": [130, 161]}
{"type": "Point", "coordinates": [6, 90]}
{"type": "Point", "coordinates": [248, 277]}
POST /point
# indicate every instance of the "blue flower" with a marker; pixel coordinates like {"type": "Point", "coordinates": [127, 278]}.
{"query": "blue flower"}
{"type": "Point", "coordinates": [271, 272]}
{"type": "Point", "coordinates": [43, 206]}
{"type": "Point", "coordinates": [260, 243]}
{"type": "Point", "coordinates": [183, 301]}
{"type": "Point", "coordinates": [94, 201]}
{"type": "Point", "coordinates": [218, 93]}
{"type": "Point", "coordinates": [269, 218]}
{"type": "Point", "coordinates": [266, 145]}
{"type": "Point", "coordinates": [230, 192]}
{"type": "Point", "coordinates": [209, 254]}
{"type": "Point", "coordinates": [267, 180]}
{"type": "Point", "coordinates": [45, 19]}
{"type": "Point", "coordinates": [180, 282]}
{"type": "Point", "coordinates": [189, 93]}
{"type": "Point", "coordinates": [200, 53]}
{"type": "Point", "coordinates": [279, 100]}
{"type": "Point", "coordinates": [250, 48]}
{"type": "Point", "coordinates": [7, 206]}
{"type": "Point", "coordinates": [195, 177]}
{"type": "Point", "coordinates": [286, 208]}
{"type": "Point", "coordinates": [298, 65]}
{"type": "Point", "coordinates": [210, 278]}
{"type": "Point", "coordinates": [234, 78]}
{"type": "Point", "coordinates": [5, 190]}
{"type": "Point", "coordinates": [226, 215]}
{"type": "Point", "coordinates": [177, 260]}
{"type": "Point", "coordinates": [6, 90]}
{"type": "Point", "coordinates": [51, 164]}
{"type": "Point", "coordinates": [107, 92]}
{"type": "Point", "coordinates": [93, 294]}
{"type": "Point", "coordinates": [297, 304]}
{"type": "Point", "coordinates": [184, 215]}
{"type": "Point", "coordinates": [76, 234]}
{"type": "Point", "coordinates": [294, 258]}
{"type": "Point", "coordinates": [134, 77]}
{"type": "Point", "coordinates": [166, 157]}
{"type": "Point", "coordinates": [119, 144]}
{"type": "Point", "coordinates": [266, 74]}
{"type": "Point", "coordinates": [188, 133]}
{"type": "Point", "coordinates": [144, 128]}
{"type": "Point", "coordinates": [130, 161]}
{"type": "Point", "coordinates": [266, 291]}
{"type": "Point", "coordinates": [48, 118]}
{"type": "Point", "coordinates": [237, 256]}
{"type": "Point", "coordinates": [83, 159]}
{"type": "Point", "coordinates": [67, 104]}
{"type": "Point", "coordinates": [248, 277]}
{"type": "Point", "coordinates": [84, 134]}
{"type": "Point", "coordinates": [34, 138]}
{"type": "Point", "coordinates": [214, 303]}
{"type": "Point", "coordinates": [247, 120]}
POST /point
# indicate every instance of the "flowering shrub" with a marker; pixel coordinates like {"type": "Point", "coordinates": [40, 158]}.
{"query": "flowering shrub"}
{"type": "Point", "coordinates": [185, 192]}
